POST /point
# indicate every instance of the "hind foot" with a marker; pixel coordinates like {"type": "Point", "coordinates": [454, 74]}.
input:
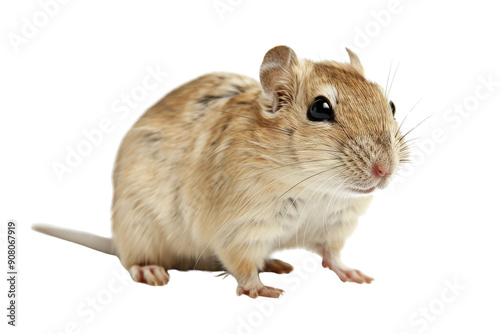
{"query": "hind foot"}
{"type": "Point", "coordinates": [151, 274]}
{"type": "Point", "coordinates": [277, 266]}
{"type": "Point", "coordinates": [263, 291]}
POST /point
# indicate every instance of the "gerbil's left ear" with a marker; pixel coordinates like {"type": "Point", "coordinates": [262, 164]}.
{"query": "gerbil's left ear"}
{"type": "Point", "coordinates": [355, 62]}
{"type": "Point", "coordinates": [275, 74]}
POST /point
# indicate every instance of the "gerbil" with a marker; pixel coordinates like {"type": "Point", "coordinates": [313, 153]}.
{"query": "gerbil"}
{"type": "Point", "coordinates": [224, 171]}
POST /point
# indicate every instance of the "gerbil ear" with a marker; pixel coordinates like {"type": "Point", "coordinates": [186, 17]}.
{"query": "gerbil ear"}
{"type": "Point", "coordinates": [275, 72]}
{"type": "Point", "coordinates": [355, 62]}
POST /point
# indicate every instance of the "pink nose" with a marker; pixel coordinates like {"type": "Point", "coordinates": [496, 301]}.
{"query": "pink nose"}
{"type": "Point", "coordinates": [381, 170]}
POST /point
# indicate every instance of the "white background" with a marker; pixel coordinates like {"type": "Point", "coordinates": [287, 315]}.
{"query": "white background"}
{"type": "Point", "coordinates": [437, 226]}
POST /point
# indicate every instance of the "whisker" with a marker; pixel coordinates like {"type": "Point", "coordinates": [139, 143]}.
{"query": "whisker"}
{"type": "Point", "coordinates": [404, 119]}
{"type": "Point", "coordinates": [416, 126]}
{"type": "Point", "coordinates": [328, 206]}
{"type": "Point", "coordinates": [307, 178]}
{"type": "Point", "coordinates": [307, 222]}
{"type": "Point", "coordinates": [392, 80]}
{"type": "Point", "coordinates": [387, 82]}
{"type": "Point", "coordinates": [286, 165]}
{"type": "Point", "coordinates": [288, 210]}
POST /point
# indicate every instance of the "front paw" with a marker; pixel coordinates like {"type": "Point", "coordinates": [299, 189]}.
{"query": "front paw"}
{"type": "Point", "coordinates": [347, 274]}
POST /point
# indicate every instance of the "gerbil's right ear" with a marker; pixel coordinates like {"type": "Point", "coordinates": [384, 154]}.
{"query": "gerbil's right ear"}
{"type": "Point", "coordinates": [355, 62]}
{"type": "Point", "coordinates": [275, 73]}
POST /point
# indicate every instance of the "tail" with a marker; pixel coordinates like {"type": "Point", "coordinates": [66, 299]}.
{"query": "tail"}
{"type": "Point", "coordinates": [93, 241]}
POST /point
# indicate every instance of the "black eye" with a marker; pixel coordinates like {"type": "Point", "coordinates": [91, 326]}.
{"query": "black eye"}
{"type": "Point", "coordinates": [393, 107]}
{"type": "Point", "coordinates": [320, 110]}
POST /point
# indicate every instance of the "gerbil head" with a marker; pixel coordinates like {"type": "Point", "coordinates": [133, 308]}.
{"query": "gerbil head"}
{"type": "Point", "coordinates": [333, 121]}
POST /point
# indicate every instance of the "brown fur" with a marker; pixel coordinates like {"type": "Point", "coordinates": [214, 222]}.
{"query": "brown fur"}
{"type": "Point", "coordinates": [222, 171]}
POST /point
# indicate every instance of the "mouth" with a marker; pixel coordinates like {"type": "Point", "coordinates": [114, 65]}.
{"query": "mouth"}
{"type": "Point", "coordinates": [362, 191]}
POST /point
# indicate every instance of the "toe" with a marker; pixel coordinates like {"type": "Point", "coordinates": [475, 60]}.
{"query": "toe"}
{"type": "Point", "coordinates": [270, 292]}
{"type": "Point", "coordinates": [151, 275]}
{"type": "Point", "coordinates": [137, 274]}
{"type": "Point", "coordinates": [354, 276]}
